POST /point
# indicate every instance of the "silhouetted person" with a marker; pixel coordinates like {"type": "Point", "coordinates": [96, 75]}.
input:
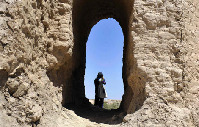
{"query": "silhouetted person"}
{"type": "Point", "coordinates": [100, 92]}
{"type": "Point", "coordinates": [96, 82]}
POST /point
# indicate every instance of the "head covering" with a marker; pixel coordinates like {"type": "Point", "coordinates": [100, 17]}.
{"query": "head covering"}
{"type": "Point", "coordinates": [100, 75]}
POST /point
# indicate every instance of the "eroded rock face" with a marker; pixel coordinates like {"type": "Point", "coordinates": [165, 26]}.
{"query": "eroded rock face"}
{"type": "Point", "coordinates": [36, 45]}
{"type": "Point", "coordinates": [43, 50]}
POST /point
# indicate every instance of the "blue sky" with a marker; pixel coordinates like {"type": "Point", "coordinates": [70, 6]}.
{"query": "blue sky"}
{"type": "Point", "coordinates": [104, 53]}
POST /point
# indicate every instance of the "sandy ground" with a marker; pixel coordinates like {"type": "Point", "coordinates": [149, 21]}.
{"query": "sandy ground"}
{"type": "Point", "coordinates": [99, 115]}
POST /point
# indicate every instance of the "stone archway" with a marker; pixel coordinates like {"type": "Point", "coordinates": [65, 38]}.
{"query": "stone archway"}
{"type": "Point", "coordinates": [85, 15]}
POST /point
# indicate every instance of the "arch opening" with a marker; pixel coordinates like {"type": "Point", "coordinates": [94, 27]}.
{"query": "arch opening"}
{"type": "Point", "coordinates": [86, 14]}
{"type": "Point", "coordinates": [104, 53]}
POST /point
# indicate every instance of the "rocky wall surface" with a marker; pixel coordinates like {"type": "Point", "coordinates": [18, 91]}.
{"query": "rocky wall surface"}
{"type": "Point", "coordinates": [165, 39]}
{"type": "Point", "coordinates": [36, 42]}
{"type": "Point", "coordinates": [191, 57]}
{"type": "Point", "coordinates": [155, 37]}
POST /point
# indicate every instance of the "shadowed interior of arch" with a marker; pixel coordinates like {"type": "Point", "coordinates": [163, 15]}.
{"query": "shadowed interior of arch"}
{"type": "Point", "coordinates": [104, 53]}
{"type": "Point", "coordinates": [86, 14]}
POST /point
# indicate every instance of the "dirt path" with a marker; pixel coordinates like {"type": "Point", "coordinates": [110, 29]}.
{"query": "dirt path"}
{"type": "Point", "coordinates": [98, 115]}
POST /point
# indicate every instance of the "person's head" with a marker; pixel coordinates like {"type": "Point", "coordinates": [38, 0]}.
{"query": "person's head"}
{"type": "Point", "coordinates": [100, 75]}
